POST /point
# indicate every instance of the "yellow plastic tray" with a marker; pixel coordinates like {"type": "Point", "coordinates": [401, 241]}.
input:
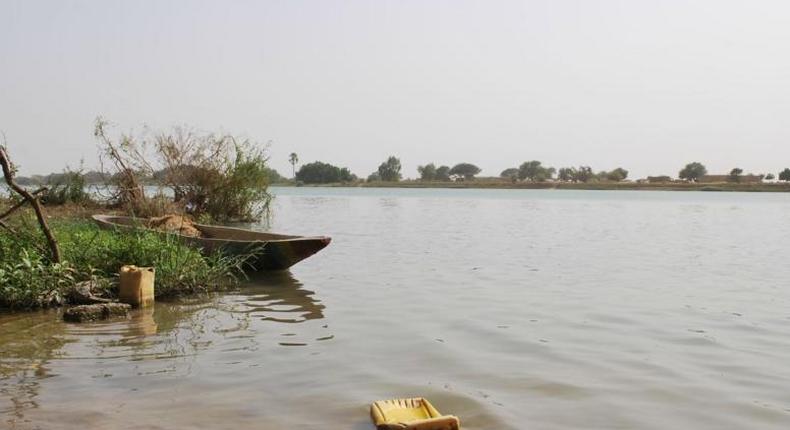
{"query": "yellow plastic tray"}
{"type": "Point", "coordinates": [410, 414]}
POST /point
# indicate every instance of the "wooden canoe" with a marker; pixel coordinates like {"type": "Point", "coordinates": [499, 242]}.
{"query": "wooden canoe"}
{"type": "Point", "coordinates": [273, 251]}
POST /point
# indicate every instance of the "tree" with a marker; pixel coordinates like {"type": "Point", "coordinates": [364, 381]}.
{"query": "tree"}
{"type": "Point", "coordinates": [693, 172]}
{"type": "Point", "coordinates": [464, 170]}
{"type": "Point", "coordinates": [374, 177]}
{"type": "Point", "coordinates": [390, 170]}
{"type": "Point", "coordinates": [427, 172]}
{"type": "Point", "coordinates": [770, 177]}
{"type": "Point", "coordinates": [534, 171]}
{"type": "Point", "coordinates": [784, 175]}
{"type": "Point", "coordinates": [583, 174]}
{"type": "Point", "coordinates": [735, 174]}
{"type": "Point", "coordinates": [617, 175]}
{"type": "Point", "coordinates": [510, 173]}
{"type": "Point", "coordinates": [566, 174]}
{"type": "Point", "coordinates": [443, 173]}
{"type": "Point", "coordinates": [346, 175]}
{"type": "Point", "coordinates": [273, 175]}
{"type": "Point", "coordinates": [318, 172]}
{"type": "Point", "coordinates": [293, 159]}
{"type": "Point", "coordinates": [546, 174]}
{"type": "Point", "coordinates": [529, 169]}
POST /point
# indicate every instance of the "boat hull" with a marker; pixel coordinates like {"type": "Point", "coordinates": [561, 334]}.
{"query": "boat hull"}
{"type": "Point", "coordinates": [270, 251]}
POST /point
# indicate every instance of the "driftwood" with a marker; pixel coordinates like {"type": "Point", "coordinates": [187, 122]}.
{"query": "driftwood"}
{"type": "Point", "coordinates": [8, 173]}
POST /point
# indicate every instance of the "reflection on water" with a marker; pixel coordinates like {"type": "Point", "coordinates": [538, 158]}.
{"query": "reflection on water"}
{"type": "Point", "coordinates": [277, 297]}
{"type": "Point", "coordinates": [27, 343]}
{"type": "Point", "coordinates": [164, 339]}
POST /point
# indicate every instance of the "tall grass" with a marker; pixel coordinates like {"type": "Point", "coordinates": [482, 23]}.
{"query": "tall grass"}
{"type": "Point", "coordinates": [28, 279]}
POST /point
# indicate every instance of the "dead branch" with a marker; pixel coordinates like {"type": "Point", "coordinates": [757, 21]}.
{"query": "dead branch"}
{"type": "Point", "coordinates": [21, 203]}
{"type": "Point", "coordinates": [129, 189]}
{"type": "Point", "coordinates": [8, 173]}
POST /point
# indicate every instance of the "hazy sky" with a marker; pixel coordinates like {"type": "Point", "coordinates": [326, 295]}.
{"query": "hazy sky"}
{"type": "Point", "coordinates": [649, 85]}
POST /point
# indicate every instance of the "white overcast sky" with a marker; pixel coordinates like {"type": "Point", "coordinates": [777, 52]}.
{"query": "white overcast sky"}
{"type": "Point", "coordinates": [647, 85]}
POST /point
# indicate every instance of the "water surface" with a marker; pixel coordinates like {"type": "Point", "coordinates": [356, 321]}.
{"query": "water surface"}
{"type": "Point", "coordinates": [512, 309]}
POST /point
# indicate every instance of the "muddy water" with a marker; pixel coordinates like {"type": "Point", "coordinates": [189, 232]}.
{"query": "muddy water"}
{"type": "Point", "coordinates": [511, 309]}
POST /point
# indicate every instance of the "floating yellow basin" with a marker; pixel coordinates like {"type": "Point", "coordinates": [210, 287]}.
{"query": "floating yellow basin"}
{"type": "Point", "coordinates": [410, 414]}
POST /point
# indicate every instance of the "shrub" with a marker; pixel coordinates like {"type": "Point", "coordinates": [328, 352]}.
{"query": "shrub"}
{"type": "Point", "coordinates": [68, 187]}
{"type": "Point", "coordinates": [219, 177]}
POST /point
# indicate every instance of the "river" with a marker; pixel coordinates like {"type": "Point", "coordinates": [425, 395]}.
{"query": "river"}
{"type": "Point", "coordinates": [512, 309]}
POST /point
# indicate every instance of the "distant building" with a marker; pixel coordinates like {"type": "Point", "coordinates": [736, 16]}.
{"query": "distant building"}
{"type": "Point", "coordinates": [743, 179]}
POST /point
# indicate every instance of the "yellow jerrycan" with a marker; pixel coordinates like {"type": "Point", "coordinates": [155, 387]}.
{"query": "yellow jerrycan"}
{"type": "Point", "coordinates": [137, 285]}
{"type": "Point", "coordinates": [410, 414]}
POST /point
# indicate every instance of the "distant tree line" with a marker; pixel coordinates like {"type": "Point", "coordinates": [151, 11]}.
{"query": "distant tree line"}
{"type": "Point", "coordinates": [89, 177]}
{"type": "Point", "coordinates": [535, 171]}
{"type": "Point", "coordinates": [93, 177]}
{"type": "Point", "coordinates": [460, 171]}
{"type": "Point", "coordinates": [389, 170]}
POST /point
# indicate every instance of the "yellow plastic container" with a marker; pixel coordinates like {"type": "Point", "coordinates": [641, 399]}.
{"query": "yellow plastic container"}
{"type": "Point", "coordinates": [137, 285]}
{"type": "Point", "coordinates": [410, 414]}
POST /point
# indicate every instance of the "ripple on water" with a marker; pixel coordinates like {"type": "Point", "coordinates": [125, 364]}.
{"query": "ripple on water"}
{"type": "Point", "coordinates": [510, 308]}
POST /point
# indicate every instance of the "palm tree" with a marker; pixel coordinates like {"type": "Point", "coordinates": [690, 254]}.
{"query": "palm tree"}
{"type": "Point", "coordinates": [293, 158]}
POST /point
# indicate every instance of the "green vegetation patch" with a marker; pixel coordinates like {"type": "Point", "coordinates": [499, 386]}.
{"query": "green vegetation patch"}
{"type": "Point", "coordinates": [28, 278]}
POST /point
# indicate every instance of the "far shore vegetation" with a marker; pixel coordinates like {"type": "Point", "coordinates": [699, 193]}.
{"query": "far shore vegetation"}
{"type": "Point", "coordinates": [528, 175]}
{"type": "Point", "coordinates": [533, 174]}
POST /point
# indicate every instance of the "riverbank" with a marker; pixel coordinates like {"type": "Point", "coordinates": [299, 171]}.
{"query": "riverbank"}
{"type": "Point", "coordinates": [774, 187]}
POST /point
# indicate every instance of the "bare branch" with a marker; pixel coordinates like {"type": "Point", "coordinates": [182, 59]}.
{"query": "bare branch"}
{"type": "Point", "coordinates": [8, 173]}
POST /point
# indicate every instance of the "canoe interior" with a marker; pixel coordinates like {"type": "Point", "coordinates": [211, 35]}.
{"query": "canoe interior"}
{"type": "Point", "coordinates": [271, 251]}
